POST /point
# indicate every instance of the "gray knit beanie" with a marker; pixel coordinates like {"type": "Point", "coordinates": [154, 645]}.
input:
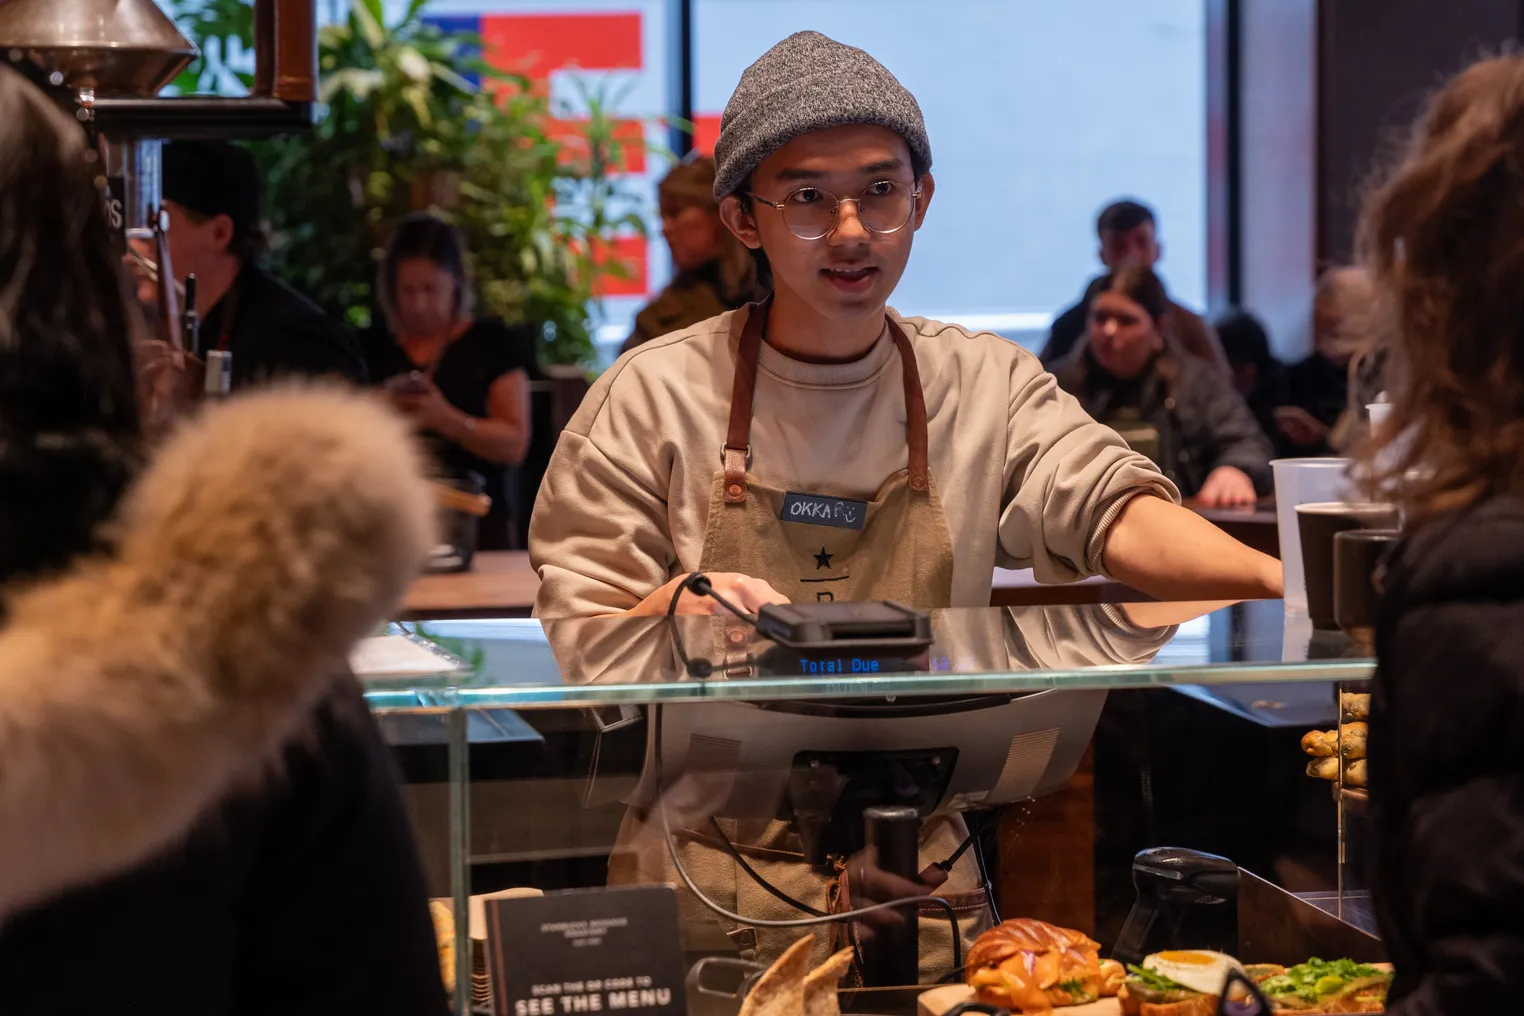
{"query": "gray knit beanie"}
{"type": "Point", "coordinates": [809, 82]}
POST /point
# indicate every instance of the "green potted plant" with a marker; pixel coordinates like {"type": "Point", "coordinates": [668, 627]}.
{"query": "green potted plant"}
{"type": "Point", "coordinates": [403, 128]}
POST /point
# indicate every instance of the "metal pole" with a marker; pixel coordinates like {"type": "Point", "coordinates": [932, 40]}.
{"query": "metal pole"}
{"type": "Point", "coordinates": [459, 759]}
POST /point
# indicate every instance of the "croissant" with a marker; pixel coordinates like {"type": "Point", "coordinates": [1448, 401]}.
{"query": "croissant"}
{"type": "Point", "coordinates": [1328, 769]}
{"type": "Point", "coordinates": [1348, 740]}
{"type": "Point", "coordinates": [1355, 705]}
{"type": "Point", "coordinates": [1030, 966]}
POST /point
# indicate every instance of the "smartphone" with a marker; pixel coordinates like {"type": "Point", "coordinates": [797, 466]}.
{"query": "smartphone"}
{"type": "Point", "coordinates": [412, 383]}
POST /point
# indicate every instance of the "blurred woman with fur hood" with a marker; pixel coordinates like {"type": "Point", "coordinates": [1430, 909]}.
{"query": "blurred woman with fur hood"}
{"type": "Point", "coordinates": [196, 811]}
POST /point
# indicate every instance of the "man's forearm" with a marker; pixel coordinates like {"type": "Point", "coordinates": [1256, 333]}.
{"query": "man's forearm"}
{"type": "Point", "coordinates": [1171, 553]}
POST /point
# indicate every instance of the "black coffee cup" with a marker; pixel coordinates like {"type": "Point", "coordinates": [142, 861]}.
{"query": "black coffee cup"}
{"type": "Point", "coordinates": [1318, 524]}
{"type": "Point", "coordinates": [1357, 554]}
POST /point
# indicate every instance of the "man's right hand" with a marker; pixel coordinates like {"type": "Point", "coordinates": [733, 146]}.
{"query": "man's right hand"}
{"type": "Point", "coordinates": [745, 592]}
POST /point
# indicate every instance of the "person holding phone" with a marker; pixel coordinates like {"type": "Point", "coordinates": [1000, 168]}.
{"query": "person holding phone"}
{"type": "Point", "coordinates": [1310, 423]}
{"type": "Point", "coordinates": [463, 380]}
{"type": "Point", "coordinates": [818, 446]}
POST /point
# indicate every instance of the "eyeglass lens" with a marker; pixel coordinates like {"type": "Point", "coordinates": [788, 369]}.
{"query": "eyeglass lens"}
{"type": "Point", "coordinates": [883, 207]}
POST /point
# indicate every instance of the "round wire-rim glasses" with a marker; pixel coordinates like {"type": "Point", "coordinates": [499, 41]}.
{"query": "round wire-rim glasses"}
{"type": "Point", "coordinates": [897, 203]}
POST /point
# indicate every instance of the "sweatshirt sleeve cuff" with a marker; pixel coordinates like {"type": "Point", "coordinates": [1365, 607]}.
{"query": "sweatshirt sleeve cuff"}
{"type": "Point", "coordinates": [1095, 547]}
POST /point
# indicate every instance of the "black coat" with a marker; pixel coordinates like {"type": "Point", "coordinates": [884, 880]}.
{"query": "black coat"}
{"type": "Point", "coordinates": [1203, 422]}
{"type": "Point", "coordinates": [274, 332]}
{"type": "Point", "coordinates": [1446, 765]}
{"type": "Point", "coordinates": [301, 895]}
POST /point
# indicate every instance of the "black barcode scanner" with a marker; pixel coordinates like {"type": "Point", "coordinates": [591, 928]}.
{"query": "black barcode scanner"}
{"type": "Point", "coordinates": [1172, 883]}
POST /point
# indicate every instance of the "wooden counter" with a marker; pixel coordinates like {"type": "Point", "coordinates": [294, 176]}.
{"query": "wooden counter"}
{"type": "Point", "coordinates": [501, 583]}
{"type": "Point", "coordinates": [1254, 526]}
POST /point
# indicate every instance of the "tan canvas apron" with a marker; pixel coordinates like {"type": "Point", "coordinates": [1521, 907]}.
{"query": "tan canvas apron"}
{"type": "Point", "coordinates": [814, 548]}
{"type": "Point", "coordinates": [894, 547]}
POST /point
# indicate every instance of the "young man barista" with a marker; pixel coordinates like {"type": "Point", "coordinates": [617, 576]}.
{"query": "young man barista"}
{"type": "Point", "coordinates": [820, 447]}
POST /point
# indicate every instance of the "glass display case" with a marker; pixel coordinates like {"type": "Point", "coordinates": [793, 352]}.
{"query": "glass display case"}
{"type": "Point", "coordinates": [1030, 757]}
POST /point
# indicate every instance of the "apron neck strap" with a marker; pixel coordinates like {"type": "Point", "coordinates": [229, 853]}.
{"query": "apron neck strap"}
{"type": "Point", "coordinates": [737, 456]}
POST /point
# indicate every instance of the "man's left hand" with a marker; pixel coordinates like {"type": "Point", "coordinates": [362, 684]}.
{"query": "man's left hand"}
{"type": "Point", "coordinates": [1227, 487]}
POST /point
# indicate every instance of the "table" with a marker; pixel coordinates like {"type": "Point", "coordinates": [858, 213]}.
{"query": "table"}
{"type": "Point", "coordinates": [501, 583]}
{"type": "Point", "coordinates": [1254, 526]}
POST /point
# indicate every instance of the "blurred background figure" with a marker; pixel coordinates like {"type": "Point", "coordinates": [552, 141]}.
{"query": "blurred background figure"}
{"type": "Point", "coordinates": [192, 790]}
{"type": "Point", "coordinates": [1319, 386]}
{"type": "Point", "coordinates": [212, 193]}
{"type": "Point", "coordinates": [463, 380]}
{"type": "Point", "coordinates": [1257, 375]}
{"type": "Point", "coordinates": [1128, 234]}
{"type": "Point", "coordinates": [1444, 239]}
{"type": "Point", "coordinates": [1172, 407]}
{"type": "Point", "coordinates": [714, 272]}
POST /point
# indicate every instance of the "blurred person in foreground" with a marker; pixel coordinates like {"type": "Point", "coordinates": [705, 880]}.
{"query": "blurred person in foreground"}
{"type": "Point", "coordinates": [212, 195]}
{"type": "Point", "coordinates": [1257, 375]}
{"type": "Point", "coordinates": [714, 271]}
{"type": "Point", "coordinates": [462, 379]}
{"type": "Point", "coordinates": [196, 810]}
{"type": "Point", "coordinates": [1128, 234]}
{"type": "Point", "coordinates": [1174, 409]}
{"type": "Point", "coordinates": [1318, 395]}
{"type": "Point", "coordinates": [1444, 241]}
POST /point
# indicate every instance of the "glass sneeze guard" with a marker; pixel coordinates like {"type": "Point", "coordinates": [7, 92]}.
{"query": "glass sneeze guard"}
{"type": "Point", "coordinates": [521, 663]}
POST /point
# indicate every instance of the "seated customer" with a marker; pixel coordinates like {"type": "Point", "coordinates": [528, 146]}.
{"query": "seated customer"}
{"type": "Point", "coordinates": [212, 195]}
{"type": "Point", "coordinates": [1171, 407]}
{"type": "Point", "coordinates": [1257, 375]}
{"type": "Point", "coordinates": [1128, 235]}
{"type": "Point", "coordinates": [463, 380]}
{"type": "Point", "coordinates": [1319, 385]}
{"type": "Point", "coordinates": [714, 271]}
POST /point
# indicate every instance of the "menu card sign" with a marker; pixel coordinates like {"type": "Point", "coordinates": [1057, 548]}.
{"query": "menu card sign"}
{"type": "Point", "coordinates": [586, 951]}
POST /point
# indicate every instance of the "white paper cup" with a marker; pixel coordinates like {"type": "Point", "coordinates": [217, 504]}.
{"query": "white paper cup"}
{"type": "Point", "coordinates": [1303, 481]}
{"type": "Point", "coordinates": [1379, 412]}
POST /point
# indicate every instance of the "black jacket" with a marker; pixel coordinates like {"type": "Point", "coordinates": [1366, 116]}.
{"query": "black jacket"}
{"type": "Point", "coordinates": [1446, 765]}
{"type": "Point", "coordinates": [1203, 422]}
{"type": "Point", "coordinates": [301, 895]}
{"type": "Point", "coordinates": [273, 331]}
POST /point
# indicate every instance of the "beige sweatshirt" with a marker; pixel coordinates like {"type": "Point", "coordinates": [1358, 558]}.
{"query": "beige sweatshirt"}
{"type": "Point", "coordinates": [1027, 480]}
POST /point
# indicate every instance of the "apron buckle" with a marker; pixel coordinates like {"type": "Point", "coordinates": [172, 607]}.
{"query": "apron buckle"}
{"type": "Point", "coordinates": [737, 465]}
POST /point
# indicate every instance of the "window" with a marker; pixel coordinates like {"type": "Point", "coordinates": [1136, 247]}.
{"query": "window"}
{"type": "Point", "coordinates": [619, 47]}
{"type": "Point", "coordinates": [1039, 114]}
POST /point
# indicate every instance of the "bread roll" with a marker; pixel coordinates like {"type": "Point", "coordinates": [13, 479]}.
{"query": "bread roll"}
{"type": "Point", "coordinates": [1323, 768]}
{"type": "Point", "coordinates": [1352, 740]}
{"type": "Point", "coordinates": [1354, 774]}
{"type": "Point", "coordinates": [1355, 706]}
{"type": "Point", "coordinates": [1321, 743]}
